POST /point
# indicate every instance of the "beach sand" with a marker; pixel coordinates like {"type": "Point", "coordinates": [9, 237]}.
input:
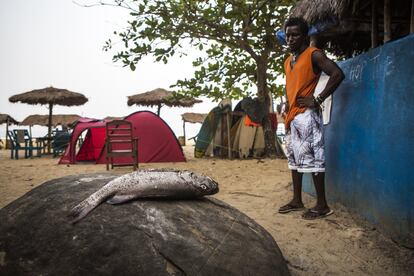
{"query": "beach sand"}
{"type": "Point", "coordinates": [342, 244]}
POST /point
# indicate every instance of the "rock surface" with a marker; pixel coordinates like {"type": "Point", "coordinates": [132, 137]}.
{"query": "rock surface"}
{"type": "Point", "coordinates": [141, 237]}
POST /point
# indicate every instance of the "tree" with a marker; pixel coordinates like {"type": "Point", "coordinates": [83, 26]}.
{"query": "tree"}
{"type": "Point", "coordinates": [237, 37]}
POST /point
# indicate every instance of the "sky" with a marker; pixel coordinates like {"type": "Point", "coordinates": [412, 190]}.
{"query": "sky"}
{"type": "Point", "coordinates": [58, 43]}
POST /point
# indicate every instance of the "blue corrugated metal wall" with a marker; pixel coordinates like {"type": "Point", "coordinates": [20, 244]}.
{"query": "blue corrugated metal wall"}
{"type": "Point", "coordinates": [370, 139]}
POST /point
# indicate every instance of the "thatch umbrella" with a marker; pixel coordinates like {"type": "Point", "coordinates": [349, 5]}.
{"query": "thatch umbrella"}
{"type": "Point", "coordinates": [50, 96]}
{"type": "Point", "coordinates": [160, 97]}
{"type": "Point", "coordinates": [111, 118]}
{"type": "Point", "coordinates": [5, 118]}
{"type": "Point", "coordinates": [192, 118]}
{"type": "Point", "coordinates": [43, 120]}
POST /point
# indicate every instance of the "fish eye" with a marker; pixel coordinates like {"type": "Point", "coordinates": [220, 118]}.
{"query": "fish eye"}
{"type": "Point", "coordinates": [204, 187]}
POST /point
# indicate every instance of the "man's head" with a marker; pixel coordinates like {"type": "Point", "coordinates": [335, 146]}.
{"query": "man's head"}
{"type": "Point", "coordinates": [296, 30]}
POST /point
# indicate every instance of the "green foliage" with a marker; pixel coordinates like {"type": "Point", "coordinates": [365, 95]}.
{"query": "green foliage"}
{"type": "Point", "coordinates": [233, 37]}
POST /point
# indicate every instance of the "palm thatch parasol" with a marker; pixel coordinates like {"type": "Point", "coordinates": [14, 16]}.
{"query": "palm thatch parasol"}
{"type": "Point", "coordinates": [50, 96]}
{"type": "Point", "coordinates": [192, 118]}
{"type": "Point", "coordinates": [160, 97]}
{"type": "Point", "coordinates": [5, 118]}
{"type": "Point", "coordinates": [43, 120]}
{"type": "Point", "coordinates": [111, 118]}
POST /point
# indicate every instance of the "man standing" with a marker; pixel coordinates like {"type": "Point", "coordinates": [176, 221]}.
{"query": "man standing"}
{"type": "Point", "coordinates": [305, 145]}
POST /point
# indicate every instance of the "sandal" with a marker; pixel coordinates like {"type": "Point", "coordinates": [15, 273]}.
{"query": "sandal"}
{"type": "Point", "coordinates": [313, 214]}
{"type": "Point", "coordinates": [289, 208]}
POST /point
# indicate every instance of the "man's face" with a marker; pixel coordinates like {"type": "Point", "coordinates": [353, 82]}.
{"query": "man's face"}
{"type": "Point", "coordinates": [295, 38]}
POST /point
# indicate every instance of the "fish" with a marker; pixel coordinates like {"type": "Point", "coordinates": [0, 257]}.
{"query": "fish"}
{"type": "Point", "coordinates": [149, 183]}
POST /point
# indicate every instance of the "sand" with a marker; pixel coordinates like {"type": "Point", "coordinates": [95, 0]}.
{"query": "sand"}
{"type": "Point", "coordinates": [342, 244]}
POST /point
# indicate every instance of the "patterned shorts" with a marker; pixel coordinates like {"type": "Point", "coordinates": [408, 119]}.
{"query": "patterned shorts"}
{"type": "Point", "coordinates": [304, 143]}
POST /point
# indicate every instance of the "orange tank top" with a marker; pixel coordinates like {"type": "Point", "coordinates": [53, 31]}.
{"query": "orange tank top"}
{"type": "Point", "coordinates": [300, 82]}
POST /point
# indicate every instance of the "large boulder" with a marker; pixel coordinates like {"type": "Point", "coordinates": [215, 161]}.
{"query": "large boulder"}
{"type": "Point", "coordinates": [141, 237]}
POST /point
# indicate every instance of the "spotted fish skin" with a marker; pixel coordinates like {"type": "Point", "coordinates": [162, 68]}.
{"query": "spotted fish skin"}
{"type": "Point", "coordinates": [151, 183]}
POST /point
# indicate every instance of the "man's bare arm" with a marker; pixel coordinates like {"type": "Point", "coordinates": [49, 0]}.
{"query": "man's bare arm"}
{"type": "Point", "coordinates": [322, 63]}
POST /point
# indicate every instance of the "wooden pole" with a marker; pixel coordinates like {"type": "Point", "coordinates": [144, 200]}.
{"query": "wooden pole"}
{"type": "Point", "coordinates": [228, 135]}
{"type": "Point", "coordinates": [387, 20]}
{"type": "Point", "coordinates": [412, 17]}
{"type": "Point", "coordinates": [49, 129]}
{"type": "Point", "coordinates": [374, 25]}
{"type": "Point", "coordinates": [184, 132]}
{"type": "Point", "coordinates": [159, 109]}
{"type": "Point", "coordinates": [7, 132]}
{"type": "Point", "coordinates": [223, 128]}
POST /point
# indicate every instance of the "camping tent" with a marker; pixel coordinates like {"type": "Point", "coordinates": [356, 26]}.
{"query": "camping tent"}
{"type": "Point", "coordinates": [246, 134]}
{"type": "Point", "coordinates": [157, 142]}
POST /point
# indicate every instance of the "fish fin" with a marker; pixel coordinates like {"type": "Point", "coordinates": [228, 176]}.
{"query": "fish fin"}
{"type": "Point", "coordinates": [80, 211]}
{"type": "Point", "coordinates": [117, 199]}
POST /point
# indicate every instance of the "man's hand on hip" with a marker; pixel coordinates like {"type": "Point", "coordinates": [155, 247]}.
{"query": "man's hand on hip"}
{"type": "Point", "coordinates": [307, 102]}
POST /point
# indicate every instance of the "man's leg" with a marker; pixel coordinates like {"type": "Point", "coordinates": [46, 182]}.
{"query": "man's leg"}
{"type": "Point", "coordinates": [296, 203]}
{"type": "Point", "coordinates": [319, 182]}
{"type": "Point", "coordinates": [297, 188]}
{"type": "Point", "coordinates": [317, 161]}
{"type": "Point", "coordinates": [321, 208]}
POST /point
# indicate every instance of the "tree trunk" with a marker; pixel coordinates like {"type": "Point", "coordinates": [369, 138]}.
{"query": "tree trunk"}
{"type": "Point", "coordinates": [263, 94]}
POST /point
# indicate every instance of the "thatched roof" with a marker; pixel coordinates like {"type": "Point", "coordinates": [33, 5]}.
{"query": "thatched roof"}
{"type": "Point", "coordinates": [346, 24]}
{"type": "Point", "coordinates": [5, 117]}
{"type": "Point", "coordinates": [320, 10]}
{"type": "Point", "coordinates": [193, 117]}
{"type": "Point", "coordinates": [43, 120]}
{"type": "Point", "coordinates": [161, 96]}
{"type": "Point", "coordinates": [111, 118]}
{"type": "Point", "coordinates": [50, 95]}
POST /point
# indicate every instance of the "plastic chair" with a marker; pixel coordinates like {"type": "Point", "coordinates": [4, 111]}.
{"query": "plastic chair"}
{"type": "Point", "coordinates": [14, 147]}
{"type": "Point", "coordinates": [61, 139]}
{"type": "Point", "coordinates": [21, 140]}
{"type": "Point", "coordinates": [120, 143]}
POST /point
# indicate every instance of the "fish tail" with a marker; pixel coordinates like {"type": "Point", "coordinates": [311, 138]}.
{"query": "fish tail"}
{"type": "Point", "coordinates": [80, 211]}
{"type": "Point", "coordinates": [85, 207]}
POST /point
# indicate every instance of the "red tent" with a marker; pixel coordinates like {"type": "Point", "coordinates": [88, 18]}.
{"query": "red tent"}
{"type": "Point", "coordinates": [157, 142]}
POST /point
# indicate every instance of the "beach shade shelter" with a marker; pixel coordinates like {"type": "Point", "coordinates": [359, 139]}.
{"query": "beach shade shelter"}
{"type": "Point", "coordinates": [156, 141]}
{"type": "Point", "coordinates": [353, 27]}
{"type": "Point", "coordinates": [50, 96]}
{"type": "Point", "coordinates": [8, 120]}
{"type": "Point", "coordinates": [160, 97]}
{"type": "Point", "coordinates": [65, 120]}
{"type": "Point", "coordinates": [111, 118]}
{"type": "Point", "coordinates": [192, 118]}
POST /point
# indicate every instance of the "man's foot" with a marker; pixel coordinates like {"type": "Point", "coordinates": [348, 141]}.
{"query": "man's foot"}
{"type": "Point", "coordinates": [312, 214]}
{"type": "Point", "coordinates": [291, 207]}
